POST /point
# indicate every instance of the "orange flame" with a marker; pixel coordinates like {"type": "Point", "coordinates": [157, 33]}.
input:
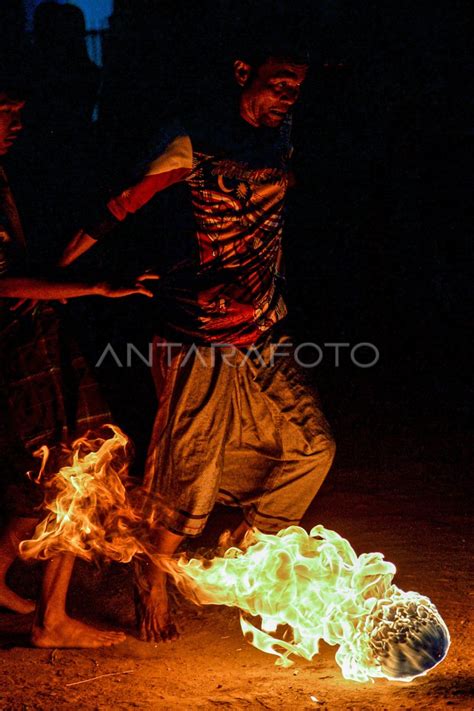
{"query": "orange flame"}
{"type": "Point", "coordinates": [90, 513]}
{"type": "Point", "coordinates": [312, 586]}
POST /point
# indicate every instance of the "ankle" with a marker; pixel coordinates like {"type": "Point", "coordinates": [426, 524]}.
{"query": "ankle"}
{"type": "Point", "coordinates": [156, 580]}
{"type": "Point", "coordinates": [49, 618]}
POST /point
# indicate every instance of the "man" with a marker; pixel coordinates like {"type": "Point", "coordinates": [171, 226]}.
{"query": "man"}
{"type": "Point", "coordinates": [47, 396]}
{"type": "Point", "coordinates": [233, 425]}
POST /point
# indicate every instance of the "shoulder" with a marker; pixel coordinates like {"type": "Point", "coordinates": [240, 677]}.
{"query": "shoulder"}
{"type": "Point", "coordinates": [169, 143]}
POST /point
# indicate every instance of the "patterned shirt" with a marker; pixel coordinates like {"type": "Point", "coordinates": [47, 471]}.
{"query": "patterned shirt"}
{"type": "Point", "coordinates": [237, 176]}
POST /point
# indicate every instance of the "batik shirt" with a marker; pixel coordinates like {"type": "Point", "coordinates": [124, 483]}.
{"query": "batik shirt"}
{"type": "Point", "coordinates": [237, 176]}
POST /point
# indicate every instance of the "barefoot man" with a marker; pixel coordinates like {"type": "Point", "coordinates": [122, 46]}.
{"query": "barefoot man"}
{"type": "Point", "coordinates": [237, 421]}
{"type": "Point", "coordinates": [38, 377]}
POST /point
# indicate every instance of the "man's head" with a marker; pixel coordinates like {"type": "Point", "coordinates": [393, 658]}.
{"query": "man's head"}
{"type": "Point", "coordinates": [270, 88]}
{"type": "Point", "coordinates": [11, 105]}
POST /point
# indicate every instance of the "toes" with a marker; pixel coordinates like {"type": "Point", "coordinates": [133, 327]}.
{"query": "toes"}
{"type": "Point", "coordinates": [108, 641]}
{"type": "Point", "coordinates": [153, 626]}
{"type": "Point", "coordinates": [174, 632]}
{"type": "Point", "coordinates": [102, 638]}
{"type": "Point", "coordinates": [153, 632]}
{"type": "Point", "coordinates": [157, 630]}
{"type": "Point", "coordinates": [169, 633]}
{"type": "Point", "coordinates": [149, 634]}
{"type": "Point", "coordinates": [142, 632]}
{"type": "Point", "coordinates": [115, 641]}
{"type": "Point", "coordinates": [116, 638]}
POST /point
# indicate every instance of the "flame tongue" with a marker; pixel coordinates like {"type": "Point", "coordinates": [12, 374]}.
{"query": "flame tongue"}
{"type": "Point", "coordinates": [89, 512]}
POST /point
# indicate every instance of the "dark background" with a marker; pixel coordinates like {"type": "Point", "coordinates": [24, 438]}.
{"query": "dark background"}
{"type": "Point", "coordinates": [378, 225]}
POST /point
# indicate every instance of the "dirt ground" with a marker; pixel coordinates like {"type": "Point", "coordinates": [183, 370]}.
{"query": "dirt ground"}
{"type": "Point", "coordinates": [406, 500]}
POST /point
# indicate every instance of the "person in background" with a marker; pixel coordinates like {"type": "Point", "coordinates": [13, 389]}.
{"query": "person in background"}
{"type": "Point", "coordinates": [47, 397]}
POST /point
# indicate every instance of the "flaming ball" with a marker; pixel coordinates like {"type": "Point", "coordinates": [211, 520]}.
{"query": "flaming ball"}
{"type": "Point", "coordinates": [410, 638]}
{"type": "Point", "coordinates": [319, 589]}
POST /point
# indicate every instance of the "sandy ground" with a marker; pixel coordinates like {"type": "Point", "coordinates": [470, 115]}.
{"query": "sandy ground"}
{"type": "Point", "coordinates": [406, 503]}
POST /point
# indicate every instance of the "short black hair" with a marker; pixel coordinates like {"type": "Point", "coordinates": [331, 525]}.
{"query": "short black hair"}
{"type": "Point", "coordinates": [256, 43]}
{"type": "Point", "coordinates": [258, 56]}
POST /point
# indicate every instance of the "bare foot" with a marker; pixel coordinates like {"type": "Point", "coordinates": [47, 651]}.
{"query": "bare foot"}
{"type": "Point", "coordinates": [151, 604]}
{"type": "Point", "coordinates": [14, 602]}
{"type": "Point", "coordinates": [72, 633]}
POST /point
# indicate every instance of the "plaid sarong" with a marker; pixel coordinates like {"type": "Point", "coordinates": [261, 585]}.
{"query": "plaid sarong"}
{"type": "Point", "coordinates": [47, 393]}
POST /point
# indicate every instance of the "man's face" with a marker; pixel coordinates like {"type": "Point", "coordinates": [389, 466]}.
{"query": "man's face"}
{"type": "Point", "coordinates": [270, 92]}
{"type": "Point", "coordinates": [10, 122]}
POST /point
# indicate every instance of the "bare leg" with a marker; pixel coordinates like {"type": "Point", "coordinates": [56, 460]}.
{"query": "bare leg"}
{"type": "Point", "coordinates": [229, 539]}
{"type": "Point", "coordinates": [238, 534]}
{"type": "Point", "coordinates": [153, 617]}
{"type": "Point", "coordinates": [151, 598]}
{"type": "Point", "coordinates": [52, 626]}
{"type": "Point", "coordinates": [17, 530]}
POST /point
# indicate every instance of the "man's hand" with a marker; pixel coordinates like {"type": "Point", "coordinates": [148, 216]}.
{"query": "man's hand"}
{"type": "Point", "coordinates": [117, 292]}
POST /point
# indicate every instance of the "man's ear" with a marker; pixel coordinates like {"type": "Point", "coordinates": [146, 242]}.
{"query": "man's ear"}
{"type": "Point", "coordinates": [242, 72]}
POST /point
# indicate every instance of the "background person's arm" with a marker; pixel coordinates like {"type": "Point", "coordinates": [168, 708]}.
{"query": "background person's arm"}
{"type": "Point", "coordinates": [42, 289]}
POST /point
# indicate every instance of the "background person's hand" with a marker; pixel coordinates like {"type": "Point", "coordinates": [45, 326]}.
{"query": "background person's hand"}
{"type": "Point", "coordinates": [24, 306]}
{"type": "Point", "coordinates": [117, 292]}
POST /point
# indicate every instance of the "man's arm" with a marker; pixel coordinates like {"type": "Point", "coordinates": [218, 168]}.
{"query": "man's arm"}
{"type": "Point", "coordinates": [80, 243]}
{"type": "Point", "coordinates": [171, 166]}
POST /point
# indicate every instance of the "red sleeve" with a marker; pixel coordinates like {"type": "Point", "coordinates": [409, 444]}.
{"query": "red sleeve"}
{"type": "Point", "coordinates": [132, 199]}
{"type": "Point", "coordinates": [171, 166]}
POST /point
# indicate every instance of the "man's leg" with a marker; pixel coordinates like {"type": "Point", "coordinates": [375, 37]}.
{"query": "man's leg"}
{"type": "Point", "coordinates": [274, 489]}
{"type": "Point", "coordinates": [17, 530]}
{"type": "Point", "coordinates": [154, 621]}
{"type": "Point", "coordinates": [232, 539]}
{"type": "Point", "coordinates": [238, 534]}
{"type": "Point", "coordinates": [275, 467]}
{"type": "Point", "coordinates": [52, 626]}
{"type": "Point", "coordinates": [183, 469]}
{"type": "Point", "coordinates": [151, 596]}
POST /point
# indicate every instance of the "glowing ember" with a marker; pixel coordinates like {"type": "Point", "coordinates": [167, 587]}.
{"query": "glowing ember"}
{"type": "Point", "coordinates": [319, 589]}
{"type": "Point", "coordinates": [308, 587]}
